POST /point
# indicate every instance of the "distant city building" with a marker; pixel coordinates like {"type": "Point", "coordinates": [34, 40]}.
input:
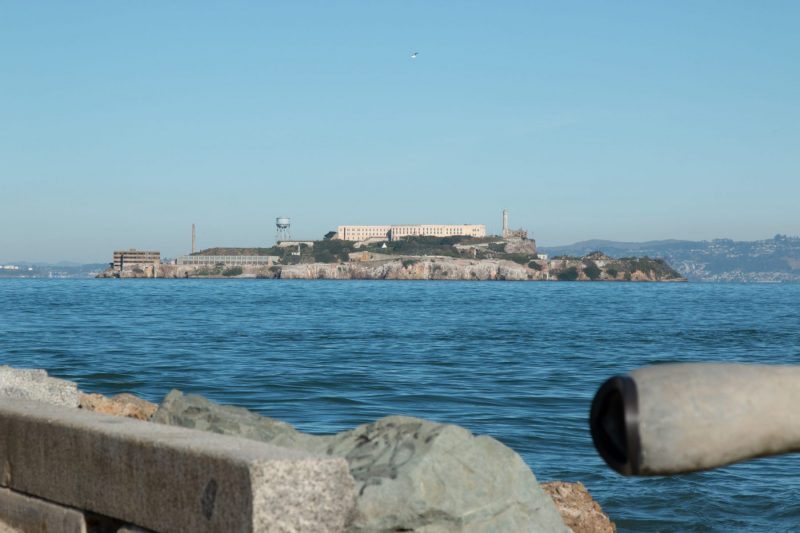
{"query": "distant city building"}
{"type": "Point", "coordinates": [394, 232]}
{"type": "Point", "coordinates": [133, 256]}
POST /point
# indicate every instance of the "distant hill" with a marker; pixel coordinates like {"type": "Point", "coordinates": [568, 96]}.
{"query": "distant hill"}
{"type": "Point", "coordinates": [776, 259]}
{"type": "Point", "coordinates": [63, 269]}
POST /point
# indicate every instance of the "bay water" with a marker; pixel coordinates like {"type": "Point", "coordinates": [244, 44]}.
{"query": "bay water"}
{"type": "Point", "coordinates": [519, 361]}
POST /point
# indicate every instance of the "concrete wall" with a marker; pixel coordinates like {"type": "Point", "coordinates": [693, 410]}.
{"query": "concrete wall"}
{"type": "Point", "coordinates": [66, 466]}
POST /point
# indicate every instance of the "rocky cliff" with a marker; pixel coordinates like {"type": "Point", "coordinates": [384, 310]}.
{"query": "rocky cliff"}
{"type": "Point", "coordinates": [590, 268]}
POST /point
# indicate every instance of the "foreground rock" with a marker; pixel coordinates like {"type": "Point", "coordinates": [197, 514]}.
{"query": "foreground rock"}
{"type": "Point", "coordinates": [35, 384]}
{"type": "Point", "coordinates": [411, 474]}
{"type": "Point", "coordinates": [580, 512]}
{"type": "Point", "coordinates": [123, 404]}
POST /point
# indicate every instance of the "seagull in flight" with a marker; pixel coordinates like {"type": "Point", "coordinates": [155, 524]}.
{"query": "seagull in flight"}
{"type": "Point", "coordinates": [414, 55]}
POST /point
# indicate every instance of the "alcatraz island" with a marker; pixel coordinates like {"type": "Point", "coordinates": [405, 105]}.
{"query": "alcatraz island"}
{"type": "Point", "coordinates": [393, 252]}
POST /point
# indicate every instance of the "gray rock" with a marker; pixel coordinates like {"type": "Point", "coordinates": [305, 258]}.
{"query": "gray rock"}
{"type": "Point", "coordinates": [35, 384]}
{"type": "Point", "coordinates": [411, 474]}
{"type": "Point", "coordinates": [196, 412]}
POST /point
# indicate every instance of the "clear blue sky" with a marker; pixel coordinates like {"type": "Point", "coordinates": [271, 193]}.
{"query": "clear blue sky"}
{"type": "Point", "coordinates": [122, 123]}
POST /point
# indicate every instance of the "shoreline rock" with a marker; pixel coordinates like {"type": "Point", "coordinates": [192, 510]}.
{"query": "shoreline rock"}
{"type": "Point", "coordinates": [434, 268]}
{"type": "Point", "coordinates": [35, 384]}
{"type": "Point", "coordinates": [577, 508]}
{"type": "Point", "coordinates": [124, 404]}
{"type": "Point", "coordinates": [410, 474]}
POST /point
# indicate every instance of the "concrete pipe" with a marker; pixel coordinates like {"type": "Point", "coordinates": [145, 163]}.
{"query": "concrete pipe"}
{"type": "Point", "coordinates": [676, 418]}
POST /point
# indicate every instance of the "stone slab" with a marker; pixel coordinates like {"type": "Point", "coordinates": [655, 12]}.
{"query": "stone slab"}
{"type": "Point", "coordinates": [35, 384]}
{"type": "Point", "coordinates": [167, 478]}
{"type": "Point", "coordinates": [5, 528]}
{"type": "Point", "coordinates": [19, 512]}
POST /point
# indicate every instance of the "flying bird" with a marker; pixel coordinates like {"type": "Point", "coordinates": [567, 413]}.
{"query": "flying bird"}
{"type": "Point", "coordinates": [414, 55]}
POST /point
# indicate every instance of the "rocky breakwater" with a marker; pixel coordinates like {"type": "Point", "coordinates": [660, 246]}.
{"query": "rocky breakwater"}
{"type": "Point", "coordinates": [410, 474]}
{"type": "Point", "coordinates": [415, 475]}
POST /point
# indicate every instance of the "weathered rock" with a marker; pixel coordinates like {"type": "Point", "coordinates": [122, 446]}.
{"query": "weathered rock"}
{"type": "Point", "coordinates": [35, 384]}
{"type": "Point", "coordinates": [372, 266]}
{"type": "Point", "coordinates": [521, 246]}
{"type": "Point", "coordinates": [119, 405]}
{"type": "Point", "coordinates": [425, 268]}
{"type": "Point", "coordinates": [416, 475]}
{"type": "Point", "coordinates": [196, 412]}
{"type": "Point", "coordinates": [580, 512]}
{"type": "Point", "coordinates": [411, 474]}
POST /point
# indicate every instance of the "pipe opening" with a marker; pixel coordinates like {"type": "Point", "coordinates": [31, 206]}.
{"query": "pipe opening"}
{"type": "Point", "coordinates": [614, 424]}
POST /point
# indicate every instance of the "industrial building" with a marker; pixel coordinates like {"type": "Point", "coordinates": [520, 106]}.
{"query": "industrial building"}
{"type": "Point", "coordinates": [133, 256]}
{"type": "Point", "coordinates": [394, 232]}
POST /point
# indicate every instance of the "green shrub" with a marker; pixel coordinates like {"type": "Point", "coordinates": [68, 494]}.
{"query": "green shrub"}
{"type": "Point", "coordinates": [592, 271]}
{"type": "Point", "coordinates": [408, 262]}
{"type": "Point", "coordinates": [332, 251]}
{"type": "Point", "coordinates": [324, 256]}
{"type": "Point", "coordinates": [232, 271]}
{"type": "Point", "coordinates": [534, 265]}
{"type": "Point", "coordinates": [570, 274]}
{"type": "Point", "coordinates": [612, 272]}
{"type": "Point", "coordinates": [420, 246]}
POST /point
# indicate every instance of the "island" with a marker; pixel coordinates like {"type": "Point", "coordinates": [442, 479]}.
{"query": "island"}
{"type": "Point", "coordinates": [411, 258]}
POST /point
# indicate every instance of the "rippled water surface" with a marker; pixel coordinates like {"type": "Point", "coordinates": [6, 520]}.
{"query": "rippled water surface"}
{"type": "Point", "coordinates": [518, 361]}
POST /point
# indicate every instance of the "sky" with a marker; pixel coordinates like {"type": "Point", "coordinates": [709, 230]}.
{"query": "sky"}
{"type": "Point", "coordinates": [123, 123]}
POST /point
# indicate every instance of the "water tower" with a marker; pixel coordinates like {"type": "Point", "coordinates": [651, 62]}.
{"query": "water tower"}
{"type": "Point", "coordinates": [282, 225]}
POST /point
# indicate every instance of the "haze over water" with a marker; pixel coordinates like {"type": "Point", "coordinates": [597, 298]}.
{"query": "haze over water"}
{"type": "Point", "coordinates": [517, 361]}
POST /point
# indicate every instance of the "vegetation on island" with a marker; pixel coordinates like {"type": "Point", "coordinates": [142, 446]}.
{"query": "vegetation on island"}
{"type": "Point", "coordinates": [595, 266]}
{"type": "Point", "coordinates": [775, 259]}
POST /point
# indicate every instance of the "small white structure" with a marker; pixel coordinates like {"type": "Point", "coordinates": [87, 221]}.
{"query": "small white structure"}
{"type": "Point", "coordinates": [283, 226]}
